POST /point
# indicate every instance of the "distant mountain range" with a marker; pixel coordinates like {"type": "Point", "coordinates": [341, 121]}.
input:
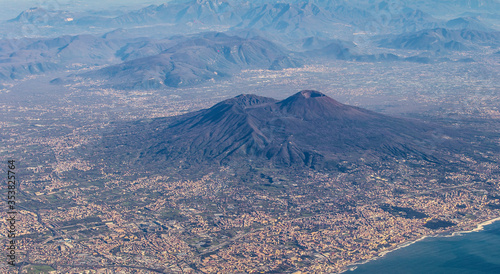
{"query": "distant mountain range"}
{"type": "Point", "coordinates": [143, 62]}
{"type": "Point", "coordinates": [168, 45]}
{"type": "Point", "coordinates": [185, 61]}
{"type": "Point", "coordinates": [329, 19]}
{"type": "Point", "coordinates": [20, 58]}
{"type": "Point", "coordinates": [467, 22]}
{"type": "Point", "coordinates": [305, 130]}
{"type": "Point", "coordinates": [447, 7]}
{"type": "Point", "coordinates": [441, 39]}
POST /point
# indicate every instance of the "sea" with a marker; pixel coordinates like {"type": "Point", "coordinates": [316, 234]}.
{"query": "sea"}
{"type": "Point", "coordinates": [471, 252]}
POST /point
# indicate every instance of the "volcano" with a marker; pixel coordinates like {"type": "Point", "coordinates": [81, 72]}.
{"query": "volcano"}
{"type": "Point", "coordinates": [305, 130]}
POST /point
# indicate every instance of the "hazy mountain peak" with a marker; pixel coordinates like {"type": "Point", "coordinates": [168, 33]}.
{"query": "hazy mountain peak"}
{"type": "Point", "coordinates": [310, 105]}
{"type": "Point", "coordinates": [311, 93]}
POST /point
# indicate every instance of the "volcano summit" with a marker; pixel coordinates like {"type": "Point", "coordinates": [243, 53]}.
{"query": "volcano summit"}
{"type": "Point", "coordinates": [307, 129]}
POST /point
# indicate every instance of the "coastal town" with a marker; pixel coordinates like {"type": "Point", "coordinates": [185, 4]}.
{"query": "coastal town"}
{"type": "Point", "coordinates": [322, 223]}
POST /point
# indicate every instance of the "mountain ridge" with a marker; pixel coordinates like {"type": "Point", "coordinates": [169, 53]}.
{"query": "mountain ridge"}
{"type": "Point", "coordinates": [195, 59]}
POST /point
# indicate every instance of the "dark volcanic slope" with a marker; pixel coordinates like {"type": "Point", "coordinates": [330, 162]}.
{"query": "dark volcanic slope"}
{"type": "Point", "coordinates": [308, 129]}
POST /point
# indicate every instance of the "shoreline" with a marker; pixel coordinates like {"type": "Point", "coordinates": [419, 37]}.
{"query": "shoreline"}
{"type": "Point", "coordinates": [479, 227]}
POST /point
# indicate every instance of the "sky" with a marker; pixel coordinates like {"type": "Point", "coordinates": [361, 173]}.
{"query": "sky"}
{"type": "Point", "coordinates": [10, 9]}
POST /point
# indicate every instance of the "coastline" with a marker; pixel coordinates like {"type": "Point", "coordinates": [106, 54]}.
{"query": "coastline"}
{"type": "Point", "coordinates": [479, 227]}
